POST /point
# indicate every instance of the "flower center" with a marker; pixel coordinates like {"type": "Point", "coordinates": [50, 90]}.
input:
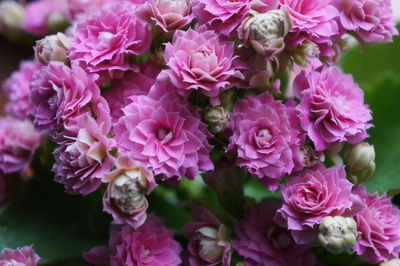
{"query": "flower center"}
{"type": "Point", "coordinates": [263, 138]}
{"type": "Point", "coordinates": [105, 36]}
{"type": "Point", "coordinates": [280, 239]}
{"type": "Point", "coordinates": [162, 132]}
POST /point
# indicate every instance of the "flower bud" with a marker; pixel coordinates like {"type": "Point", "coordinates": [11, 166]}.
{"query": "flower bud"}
{"type": "Point", "coordinates": [303, 51]}
{"type": "Point", "coordinates": [57, 21]}
{"type": "Point", "coordinates": [266, 31]}
{"type": "Point", "coordinates": [12, 15]}
{"type": "Point", "coordinates": [217, 118]}
{"type": "Point", "coordinates": [211, 247]}
{"type": "Point", "coordinates": [394, 262]}
{"type": "Point", "coordinates": [52, 48]}
{"type": "Point", "coordinates": [360, 161]}
{"type": "Point", "coordinates": [337, 234]}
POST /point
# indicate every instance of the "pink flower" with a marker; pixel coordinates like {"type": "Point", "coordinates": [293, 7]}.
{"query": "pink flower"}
{"type": "Point", "coordinates": [168, 15]}
{"type": "Point", "coordinates": [38, 13]}
{"type": "Point", "coordinates": [200, 60]}
{"type": "Point", "coordinates": [83, 6]}
{"type": "Point", "coordinates": [59, 93]}
{"type": "Point", "coordinates": [18, 142]}
{"type": "Point", "coordinates": [150, 244]}
{"type": "Point", "coordinates": [332, 107]}
{"type": "Point", "coordinates": [164, 133]}
{"type": "Point", "coordinates": [260, 241]}
{"type": "Point", "coordinates": [104, 40]}
{"type": "Point", "coordinates": [371, 20]}
{"type": "Point", "coordinates": [312, 195]}
{"type": "Point", "coordinates": [17, 89]}
{"type": "Point", "coordinates": [21, 256]}
{"type": "Point", "coordinates": [266, 138]}
{"type": "Point", "coordinates": [208, 240]}
{"type": "Point", "coordinates": [379, 224]}
{"type": "Point", "coordinates": [134, 83]}
{"type": "Point", "coordinates": [222, 16]}
{"type": "Point", "coordinates": [312, 19]}
{"type": "Point", "coordinates": [83, 158]}
{"type": "Point", "coordinates": [125, 196]}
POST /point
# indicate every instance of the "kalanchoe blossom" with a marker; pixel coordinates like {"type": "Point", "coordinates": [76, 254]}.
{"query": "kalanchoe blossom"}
{"type": "Point", "coordinates": [370, 20]}
{"type": "Point", "coordinates": [104, 40]}
{"type": "Point", "coordinates": [260, 241]}
{"type": "Point", "coordinates": [222, 16]}
{"type": "Point", "coordinates": [164, 133]}
{"type": "Point", "coordinates": [76, 7]}
{"type": "Point", "coordinates": [312, 195]}
{"type": "Point", "coordinates": [166, 14]}
{"type": "Point", "coordinates": [125, 196]}
{"type": "Point", "coordinates": [379, 224]}
{"type": "Point", "coordinates": [266, 138]}
{"type": "Point", "coordinates": [17, 89]}
{"type": "Point", "coordinates": [18, 141]}
{"type": "Point", "coordinates": [24, 256]}
{"type": "Point", "coordinates": [52, 48]}
{"type": "Point", "coordinates": [150, 244]}
{"type": "Point", "coordinates": [83, 158]}
{"type": "Point", "coordinates": [332, 107]}
{"type": "Point", "coordinates": [208, 240]}
{"type": "Point", "coordinates": [201, 60]}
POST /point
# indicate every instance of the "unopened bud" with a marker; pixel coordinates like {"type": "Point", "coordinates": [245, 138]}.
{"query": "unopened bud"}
{"type": "Point", "coordinates": [360, 161]}
{"type": "Point", "coordinates": [211, 246]}
{"type": "Point", "coordinates": [394, 262]}
{"type": "Point", "coordinates": [266, 31]}
{"type": "Point", "coordinates": [217, 118]}
{"type": "Point", "coordinates": [303, 51]}
{"type": "Point", "coordinates": [57, 21]}
{"type": "Point", "coordinates": [12, 14]}
{"type": "Point", "coordinates": [337, 234]}
{"type": "Point", "coordinates": [52, 48]}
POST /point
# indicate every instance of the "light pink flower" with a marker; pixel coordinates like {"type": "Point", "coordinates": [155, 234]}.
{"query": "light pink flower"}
{"type": "Point", "coordinates": [77, 7]}
{"type": "Point", "coordinates": [332, 107]}
{"type": "Point", "coordinates": [371, 20]}
{"type": "Point", "coordinates": [83, 158]}
{"type": "Point", "coordinates": [103, 41]}
{"type": "Point", "coordinates": [222, 16]}
{"type": "Point", "coordinates": [18, 141]}
{"type": "Point", "coordinates": [168, 15]}
{"type": "Point", "coordinates": [17, 89]}
{"type": "Point", "coordinates": [37, 14]}
{"type": "Point", "coordinates": [260, 241]}
{"type": "Point", "coordinates": [379, 224]}
{"type": "Point", "coordinates": [125, 197]}
{"type": "Point", "coordinates": [266, 138]}
{"type": "Point", "coordinates": [24, 256]}
{"type": "Point", "coordinates": [312, 195]}
{"type": "Point", "coordinates": [209, 242]}
{"type": "Point", "coordinates": [59, 93]}
{"type": "Point", "coordinates": [164, 133]}
{"type": "Point", "coordinates": [150, 244]}
{"type": "Point", "coordinates": [199, 59]}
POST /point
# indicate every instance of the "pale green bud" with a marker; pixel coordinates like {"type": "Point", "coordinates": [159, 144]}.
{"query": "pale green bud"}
{"type": "Point", "coordinates": [360, 161]}
{"type": "Point", "coordinates": [217, 118]}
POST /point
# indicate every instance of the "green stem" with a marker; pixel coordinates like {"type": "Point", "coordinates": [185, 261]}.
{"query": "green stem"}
{"type": "Point", "coordinates": [59, 262]}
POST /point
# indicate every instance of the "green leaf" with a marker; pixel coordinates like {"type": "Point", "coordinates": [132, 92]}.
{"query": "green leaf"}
{"type": "Point", "coordinates": [377, 70]}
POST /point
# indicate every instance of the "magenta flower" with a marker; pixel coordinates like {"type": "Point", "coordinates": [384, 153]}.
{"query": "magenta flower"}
{"type": "Point", "coordinates": [312, 195]}
{"type": "Point", "coordinates": [150, 244]}
{"type": "Point", "coordinates": [18, 141]}
{"type": "Point", "coordinates": [222, 16]}
{"type": "Point", "coordinates": [38, 13]}
{"type": "Point", "coordinates": [59, 93]}
{"type": "Point", "coordinates": [166, 14]}
{"type": "Point", "coordinates": [332, 107]}
{"type": "Point", "coordinates": [125, 196]}
{"type": "Point", "coordinates": [17, 89]}
{"type": "Point", "coordinates": [260, 241]}
{"type": "Point", "coordinates": [379, 224]}
{"type": "Point", "coordinates": [25, 256]}
{"type": "Point", "coordinates": [371, 20]}
{"type": "Point", "coordinates": [104, 40]}
{"type": "Point", "coordinates": [83, 158]}
{"type": "Point", "coordinates": [164, 133]}
{"type": "Point", "coordinates": [201, 60]}
{"type": "Point", "coordinates": [77, 7]}
{"type": "Point", "coordinates": [208, 240]}
{"type": "Point", "coordinates": [266, 138]}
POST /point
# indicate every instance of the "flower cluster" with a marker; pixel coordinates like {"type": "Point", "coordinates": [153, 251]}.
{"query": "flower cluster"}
{"type": "Point", "coordinates": [141, 94]}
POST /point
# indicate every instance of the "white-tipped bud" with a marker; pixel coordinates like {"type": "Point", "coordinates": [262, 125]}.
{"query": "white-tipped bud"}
{"type": "Point", "coordinates": [337, 234]}
{"type": "Point", "coordinates": [217, 118]}
{"type": "Point", "coordinates": [394, 262]}
{"type": "Point", "coordinates": [360, 161]}
{"type": "Point", "coordinates": [266, 31]}
{"type": "Point", "coordinates": [52, 48]}
{"type": "Point", "coordinates": [303, 51]}
{"type": "Point", "coordinates": [12, 15]}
